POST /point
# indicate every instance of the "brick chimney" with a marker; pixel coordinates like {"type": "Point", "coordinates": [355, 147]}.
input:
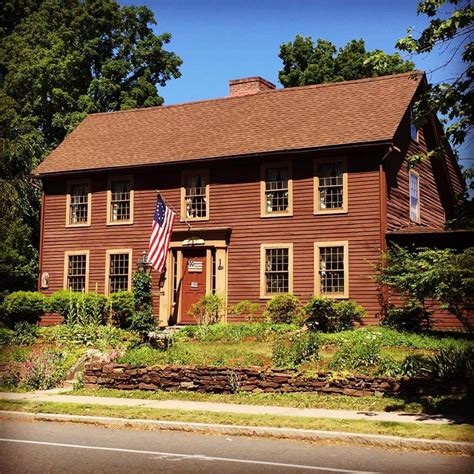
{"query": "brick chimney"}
{"type": "Point", "coordinates": [249, 85]}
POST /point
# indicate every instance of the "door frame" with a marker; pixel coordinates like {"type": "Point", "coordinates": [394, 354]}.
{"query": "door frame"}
{"type": "Point", "coordinates": [216, 240]}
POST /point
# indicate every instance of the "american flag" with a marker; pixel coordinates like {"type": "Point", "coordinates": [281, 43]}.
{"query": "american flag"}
{"type": "Point", "coordinates": [160, 235]}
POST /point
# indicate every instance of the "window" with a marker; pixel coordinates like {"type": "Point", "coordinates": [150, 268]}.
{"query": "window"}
{"type": "Point", "coordinates": [413, 127]}
{"type": "Point", "coordinates": [414, 196]}
{"type": "Point", "coordinates": [120, 201]}
{"type": "Point", "coordinates": [330, 187]}
{"type": "Point", "coordinates": [78, 203]}
{"type": "Point", "coordinates": [76, 270]}
{"type": "Point", "coordinates": [276, 190]}
{"type": "Point", "coordinates": [195, 195]}
{"type": "Point", "coordinates": [331, 269]}
{"type": "Point", "coordinates": [119, 270]}
{"type": "Point", "coordinates": [276, 262]}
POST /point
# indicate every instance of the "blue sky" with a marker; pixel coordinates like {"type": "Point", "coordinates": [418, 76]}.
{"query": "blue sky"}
{"type": "Point", "coordinates": [220, 40]}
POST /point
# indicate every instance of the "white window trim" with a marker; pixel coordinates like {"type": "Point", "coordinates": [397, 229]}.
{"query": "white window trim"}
{"type": "Point", "coordinates": [110, 179]}
{"type": "Point", "coordinates": [108, 253]}
{"type": "Point", "coordinates": [317, 282]}
{"type": "Point", "coordinates": [184, 175]}
{"type": "Point", "coordinates": [345, 187]}
{"type": "Point", "coordinates": [69, 253]}
{"type": "Point", "coordinates": [263, 248]}
{"type": "Point", "coordinates": [418, 207]}
{"type": "Point", "coordinates": [68, 203]}
{"type": "Point", "coordinates": [263, 200]}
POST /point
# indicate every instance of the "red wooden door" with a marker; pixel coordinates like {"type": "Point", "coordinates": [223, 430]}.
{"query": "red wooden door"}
{"type": "Point", "coordinates": [193, 283]}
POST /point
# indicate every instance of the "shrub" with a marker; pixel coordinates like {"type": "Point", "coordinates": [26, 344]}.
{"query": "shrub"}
{"type": "Point", "coordinates": [408, 318]}
{"type": "Point", "coordinates": [43, 371]}
{"type": "Point", "coordinates": [244, 309]}
{"type": "Point", "coordinates": [6, 336]}
{"type": "Point", "coordinates": [141, 321]}
{"type": "Point", "coordinates": [284, 308]}
{"type": "Point", "coordinates": [121, 305]}
{"type": "Point", "coordinates": [26, 306]}
{"type": "Point", "coordinates": [291, 350]}
{"type": "Point", "coordinates": [25, 334]}
{"type": "Point", "coordinates": [78, 308]}
{"type": "Point", "coordinates": [360, 355]}
{"type": "Point", "coordinates": [325, 315]}
{"type": "Point", "coordinates": [208, 310]}
{"type": "Point", "coordinates": [452, 364]}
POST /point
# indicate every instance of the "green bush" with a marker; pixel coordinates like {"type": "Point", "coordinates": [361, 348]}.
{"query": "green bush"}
{"type": "Point", "coordinates": [208, 310]}
{"type": "Point", "coordinates": [223, 332]}
{"type": "Point", "coordinates": [43, 370]}
{"type": "Point", "coordinates": [291, 350]}
{"type": "Point", "coordinates": [408, 318]}
{"type": "Point", "coordinates": [141, 321]}
{"type": "Point", "coordinates": [453, 364]}
{"type": "Point", "coordinates": [143, 355]}
{"type": "Point", "coordinates": [78, 308]}
{"type": "Point", "coordinates": [26, 306]}
{"type": "Point", "coordinates": [121, 305]}
{"type": "Point", "coordinates": [244, 309]}
{"type": "Point", "coordinates": [284, 308]}
{"type": "Point", "coordinates": [360, 355]}
{"type": "Point", "coordinates": [325, 315]}
{"type": "Point", "coordinates": [6, 336]}
{"type": "Point", "coordinates": [25, 334]}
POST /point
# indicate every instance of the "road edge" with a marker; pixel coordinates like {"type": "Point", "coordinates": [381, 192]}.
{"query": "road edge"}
{"type": "Point", "coordinates": [360, 439]}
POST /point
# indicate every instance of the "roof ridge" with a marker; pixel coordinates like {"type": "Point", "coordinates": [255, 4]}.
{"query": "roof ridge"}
{"type": "Point", "coordinates": [416, 72]}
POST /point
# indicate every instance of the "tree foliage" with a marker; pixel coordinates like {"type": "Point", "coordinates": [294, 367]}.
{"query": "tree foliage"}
{"type": "Point", "coordinates": [429, 274]}
{"type": "Point", "coordinates": [306, 62]}
{"type": "Point", "coordinates": [450, 31]}
{"type": "Point", "coordinates": [59, 61]}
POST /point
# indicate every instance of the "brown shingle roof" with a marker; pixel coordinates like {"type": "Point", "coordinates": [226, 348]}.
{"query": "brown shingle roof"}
{"type": "Point", "coordinates": [367, 110]}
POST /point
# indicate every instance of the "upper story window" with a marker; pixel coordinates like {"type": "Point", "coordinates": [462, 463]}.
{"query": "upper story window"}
{"type": "Point", "coordinates": [76, 270]}
{"type": "Point", "coordinates": [330, 187]}
{"type": "Point", "coordinates": [195, 195]}
{"type": "Point", "coordinates": [332, 262]}
{"type": "Point", "coordinates": [413, 127]}
{"type": "Point", "coordinates": [78, 210]}
{"type": "Point", "coordinates": [276, 190]}
{"type": "Point", "coordinates": [414, 196]}
{"type": "Point", "coordinates": [119, 270]}
{"type": "Point", "coordinates": [276, 269]}
{"type": "Point", "coordinates": [120, 200]}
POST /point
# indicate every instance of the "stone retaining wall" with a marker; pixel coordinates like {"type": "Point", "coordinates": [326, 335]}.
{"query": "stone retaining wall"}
{"type": "Point", "coordinates": [251, 379]}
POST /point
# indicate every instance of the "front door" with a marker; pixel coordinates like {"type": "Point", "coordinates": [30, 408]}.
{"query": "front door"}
{"type": "Point", "coordinates": [193, 283]}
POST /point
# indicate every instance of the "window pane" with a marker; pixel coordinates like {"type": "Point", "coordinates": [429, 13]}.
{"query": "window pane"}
{"type": "Point", "coordinates": [118, 272]}
{"type": "Point", "coordinates": [331, 185]}
{"type": "Point", "coordinates": [195, 196]}
{"type": "Point", "coordinates": [120, 200]}
{"type": "Point", "coordinates": [414, 197]}
{"type": "Point", "coordinates": [276, 189]}
{"type": "Point", "coordinates": [76, 274]}
{"type": "Point", "coordinates": [331, 269]}
{"type": "Point", "coordinates": [277, 270]}
{"type": "Point", "coordinates": [78, 207]}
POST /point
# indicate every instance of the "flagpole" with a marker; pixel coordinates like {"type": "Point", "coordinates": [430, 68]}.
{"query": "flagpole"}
{"type": "Point", "coordinates": [173, 209]}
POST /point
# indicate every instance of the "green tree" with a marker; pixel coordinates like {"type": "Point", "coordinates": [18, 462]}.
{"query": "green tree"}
{"type": "Point", "coordinates": [59, 61]}
{"type": "Point", "coordinates": [306, 62]}
{"type": "Point", "coordinates": [429, 274]}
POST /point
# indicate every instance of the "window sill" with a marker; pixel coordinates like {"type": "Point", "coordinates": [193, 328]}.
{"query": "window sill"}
{"type": "Point", "coordinates": [277, 214]}
{"type": "Point", "coordinates": [119, 223]}
{"type": "Point", "coordinates": [335, 296]}
{"type": "Point", "coordinates": [194, 219]}
{"type": "Point", "coordinates": [72, 226]}
{"type": "Point", "coordinates": [330, 212]}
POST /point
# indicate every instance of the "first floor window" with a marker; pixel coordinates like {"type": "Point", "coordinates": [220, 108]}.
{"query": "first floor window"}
{"type": "Point", "coordinates": [414, 196]}
{"type": "Point", "coordinates": [277, 269]}
{"type": "Point", "coordinates": [331, 267]}
{"type": "Point", "coordinates": [119, 272]}
{"type": "Point", "coordinates": [196, 188]}
{"type": "Point", "coordinates": [120, 201]}
{"type": "Point", "coordinates": [76, 272]}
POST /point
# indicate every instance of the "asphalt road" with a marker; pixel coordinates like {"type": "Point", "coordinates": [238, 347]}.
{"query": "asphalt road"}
{"type": "Point", "coordinates": [59, 447]}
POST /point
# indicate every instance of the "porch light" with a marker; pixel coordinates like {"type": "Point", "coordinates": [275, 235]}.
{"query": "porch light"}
{"type": "Point", "coordinates": [143, 265]}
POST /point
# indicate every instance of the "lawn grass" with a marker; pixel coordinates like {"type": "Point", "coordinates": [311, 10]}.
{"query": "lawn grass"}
{"type": "Point", "coordinates": [461, 432]}
{"type": "Point", "coordinates": [461, 406]}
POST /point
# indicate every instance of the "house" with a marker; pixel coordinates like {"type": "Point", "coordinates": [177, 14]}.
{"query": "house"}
{"type": "Point", "coordinates": [278, 190]}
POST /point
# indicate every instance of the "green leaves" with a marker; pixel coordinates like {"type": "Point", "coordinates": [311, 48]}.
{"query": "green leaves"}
{"type": "Point", "coordinates": [305, 62]}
